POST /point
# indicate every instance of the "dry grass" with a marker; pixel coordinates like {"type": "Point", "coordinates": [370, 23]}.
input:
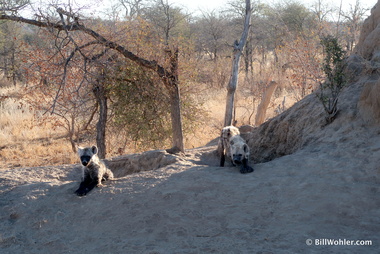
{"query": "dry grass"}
{"type": "Point", "coordinates": [42, 153]}
{"type": "Point", "coordinates": [23, 140]}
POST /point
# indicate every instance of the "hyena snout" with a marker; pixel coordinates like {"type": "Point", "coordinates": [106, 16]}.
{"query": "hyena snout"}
{"type": "Point", "coordinates": [85, 160]}
{"type": "Point", "coordinates": [237, 158]}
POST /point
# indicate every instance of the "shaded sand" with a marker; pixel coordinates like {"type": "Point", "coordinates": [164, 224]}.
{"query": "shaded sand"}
{"type": "Point", "coordinates": [322, 191]}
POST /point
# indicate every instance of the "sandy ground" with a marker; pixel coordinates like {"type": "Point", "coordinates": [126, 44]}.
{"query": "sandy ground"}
{"type": "Point", "coordinates": [323, 191]}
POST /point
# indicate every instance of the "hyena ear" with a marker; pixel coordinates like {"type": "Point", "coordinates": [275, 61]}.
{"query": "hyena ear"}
{"type": "Point", "coordinates": [94, 149]}
{"type": "Point", "coordinates": [246, 148]}
{"type": "Point", "coordinates": [79, 150]}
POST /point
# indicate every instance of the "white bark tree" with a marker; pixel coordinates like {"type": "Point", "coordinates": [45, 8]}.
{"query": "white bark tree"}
{"type": "Point", "coordinates": [238, 49]}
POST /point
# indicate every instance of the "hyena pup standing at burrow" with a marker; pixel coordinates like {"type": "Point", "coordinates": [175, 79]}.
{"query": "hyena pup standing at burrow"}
{"type": "Point", "coordinates": [94, 170]}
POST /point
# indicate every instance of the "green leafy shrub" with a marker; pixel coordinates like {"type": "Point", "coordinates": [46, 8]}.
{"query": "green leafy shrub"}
{"type": "Point", "coordinates": [333, 67]}
{"type": "Point", "coordinates": [140, 108]}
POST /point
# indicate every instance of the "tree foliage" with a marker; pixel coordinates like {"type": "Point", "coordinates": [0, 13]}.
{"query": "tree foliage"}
{"type": "Point", "coordinates": [139, 106]}
{"type": "Point", "coordinates": [333, 67]}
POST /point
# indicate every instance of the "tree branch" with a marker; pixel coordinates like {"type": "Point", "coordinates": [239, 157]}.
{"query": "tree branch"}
{"type": "Point", "coordinates": [153, 65]}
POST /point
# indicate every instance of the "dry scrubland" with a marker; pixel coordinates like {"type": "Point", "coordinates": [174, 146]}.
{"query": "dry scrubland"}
{"type": "Point", "coordinates": [312, 181]}
{"type": "Point", "coordinates": [26, 141]}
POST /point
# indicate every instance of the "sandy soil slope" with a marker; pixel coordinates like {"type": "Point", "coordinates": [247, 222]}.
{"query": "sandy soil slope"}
{"type": "Point", "coordinates": [320, 192]}
{"type": "Point", "coordinates": [311, 182]}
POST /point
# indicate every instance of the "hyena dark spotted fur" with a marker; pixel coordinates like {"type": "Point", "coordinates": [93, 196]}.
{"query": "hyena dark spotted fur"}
{"type": "Point", "coordinates": [94, 170]}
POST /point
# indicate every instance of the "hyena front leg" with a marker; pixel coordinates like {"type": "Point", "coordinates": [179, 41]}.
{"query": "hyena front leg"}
{"type": "Point", "coordinates": [245, 168]}
{"type": "Point", "coordinates": [85, 186]}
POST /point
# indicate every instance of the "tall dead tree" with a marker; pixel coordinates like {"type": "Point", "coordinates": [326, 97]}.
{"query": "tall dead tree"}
{"type": "Point", "coordinates": [169, 76]}
{"type": "Point", "coordinates": [238, 49]}
{"type": "Point", "coordinates": [101, 99]}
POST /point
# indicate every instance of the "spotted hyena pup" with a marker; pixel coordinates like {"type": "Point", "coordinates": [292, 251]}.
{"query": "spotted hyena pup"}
{"type": "Point", "coordinates": [94, 170]}
{"type": "Point", "coordinates": [232, 145]}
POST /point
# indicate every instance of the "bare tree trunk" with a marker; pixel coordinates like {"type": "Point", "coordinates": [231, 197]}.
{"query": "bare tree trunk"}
{"type": "Point", "coordinates": [13, 62]}
{"type": "Point", "coordinates": [238, 49]}
{"type": "Point", "coordinates": [101, 98]}
{"type": "Point", "coordinates": [172, 84]}
{"type": "Point", "coordinates": [71, 131]}
{"type": "Point", "coordinates": [176, 118]}
{"type": "Point", "coordinates": [231, 88]}
{"type": "Point", "coordinates": [265, 100]}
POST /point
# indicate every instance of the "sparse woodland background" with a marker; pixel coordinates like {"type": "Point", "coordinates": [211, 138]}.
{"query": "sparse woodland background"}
{"type": "Point", "coordinates": [48, 95]}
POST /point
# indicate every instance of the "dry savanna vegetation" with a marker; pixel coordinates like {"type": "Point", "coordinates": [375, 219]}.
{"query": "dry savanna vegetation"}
{"type": "Point", "coordinates": [62, 87]}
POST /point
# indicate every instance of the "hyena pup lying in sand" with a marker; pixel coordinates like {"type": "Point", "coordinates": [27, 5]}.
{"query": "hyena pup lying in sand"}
{"type": "Point", "coordinates": [232, 145]}
{"type": "Point", "coordinates": [94, 170]}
